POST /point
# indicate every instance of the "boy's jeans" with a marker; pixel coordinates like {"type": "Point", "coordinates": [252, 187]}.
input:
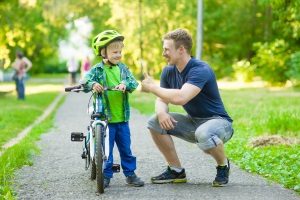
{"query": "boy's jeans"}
{"type": "Point", "coordinates": [120, 133]}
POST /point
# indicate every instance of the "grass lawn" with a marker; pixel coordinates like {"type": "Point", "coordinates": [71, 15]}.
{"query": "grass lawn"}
{"type": "Point", "coordinates": [256, 112]}
{"type": "Point", "coordinates": [15, 115]}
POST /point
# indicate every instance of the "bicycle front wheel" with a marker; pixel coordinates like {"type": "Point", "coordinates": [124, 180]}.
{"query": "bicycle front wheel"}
{"type": "Point", "coordinates": [99, 131]}
{"type": "Point", "coordinates": [93, 165]}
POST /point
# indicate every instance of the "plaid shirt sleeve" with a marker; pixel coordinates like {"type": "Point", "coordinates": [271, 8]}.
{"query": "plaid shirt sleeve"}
{"type": "Point", "coordinates": [90, 78]}
{"type": "Point", "coordinates": [129, 80]}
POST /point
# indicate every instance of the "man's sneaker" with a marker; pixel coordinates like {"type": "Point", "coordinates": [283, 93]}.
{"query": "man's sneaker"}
{"type": "Point", "coordinates": [106, 182]}
{"type": "Point", "coordinates": [222, 176]}
{"type": "Point", "coordinates": [134, 180]}
{"type": "Point", "coordinates": [170, 176]}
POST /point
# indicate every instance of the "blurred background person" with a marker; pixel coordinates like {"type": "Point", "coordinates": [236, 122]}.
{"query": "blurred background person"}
{"type": "Point", "coordinates": [21, 66]}
{"type": "Point", "coordinates": [72, 66]}
{"type": "Point", "coordinates": [85, 66]}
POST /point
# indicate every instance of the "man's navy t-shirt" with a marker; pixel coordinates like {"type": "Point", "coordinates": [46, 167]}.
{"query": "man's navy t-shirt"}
{"type": "Point", "coordinates": [208, 102]}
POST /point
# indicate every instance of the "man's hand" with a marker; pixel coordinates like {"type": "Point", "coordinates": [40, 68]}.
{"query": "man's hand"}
{"type": "Point", "coordinates": [121, 87]}
{"type": "Point", "coordinates": [166, 121]}
{"type": "Point", "coordinates": [97, 87]}
{"type": "Point", "coordinates": [147, 83]}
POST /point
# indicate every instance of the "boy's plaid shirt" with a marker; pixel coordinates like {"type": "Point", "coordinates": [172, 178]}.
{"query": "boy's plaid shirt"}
{"type": "Point", "coordinates": [97, 75]}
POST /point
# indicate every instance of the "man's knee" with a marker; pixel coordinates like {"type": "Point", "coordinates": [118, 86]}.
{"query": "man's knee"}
{"type": "Point", "coordinates": [206, 141]}
{"type": "Point", "coordinates": [152, 120]}
{"type": "Point", "coordinates": [153, 125]}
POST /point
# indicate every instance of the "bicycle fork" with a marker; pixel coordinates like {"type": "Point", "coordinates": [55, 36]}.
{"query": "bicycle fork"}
{"type": "Point", "coordinates": [106, 145]}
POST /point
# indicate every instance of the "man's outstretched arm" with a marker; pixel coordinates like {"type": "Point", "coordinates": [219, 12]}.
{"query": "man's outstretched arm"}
{"type": "Point", "coordinates": [173, 96]}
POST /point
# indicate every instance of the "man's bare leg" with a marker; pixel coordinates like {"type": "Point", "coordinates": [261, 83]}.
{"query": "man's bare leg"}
{"type": "Point", "coordinates": [218, 154]}
{"type": "Point", "coordinates": [166, 146]}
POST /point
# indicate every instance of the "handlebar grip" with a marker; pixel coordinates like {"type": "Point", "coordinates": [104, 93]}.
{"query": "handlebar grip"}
{"type": "Point", "coordinates": [69, 89]}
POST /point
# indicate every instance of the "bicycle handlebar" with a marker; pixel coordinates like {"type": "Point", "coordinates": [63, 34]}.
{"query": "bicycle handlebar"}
{"type": "Point", "coordinates": [73, 88]}
{"type": "Point", "coordinates": [78, 88]}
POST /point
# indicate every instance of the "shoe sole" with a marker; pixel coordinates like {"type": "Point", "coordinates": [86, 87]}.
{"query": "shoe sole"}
{"type": "Point", "coordinates": [169, 181]}
{"type": "Point", "coordinates": [219, 185]}
{"type": "Point", "coordinates": [133, 185]}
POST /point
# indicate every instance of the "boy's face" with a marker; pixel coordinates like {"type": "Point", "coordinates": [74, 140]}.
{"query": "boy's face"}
{"type": "Point", "coordinates": [114, 52]}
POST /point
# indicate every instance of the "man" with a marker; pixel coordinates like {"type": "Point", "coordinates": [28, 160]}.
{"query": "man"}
{"type": "Point", "coordinates": [191, 83]}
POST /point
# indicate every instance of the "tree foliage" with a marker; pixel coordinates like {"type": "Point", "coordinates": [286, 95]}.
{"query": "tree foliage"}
{"type": "Point", "coordinates": [235, 32]}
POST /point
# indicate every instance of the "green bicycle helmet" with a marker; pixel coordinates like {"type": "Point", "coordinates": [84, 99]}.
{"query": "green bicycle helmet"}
{"type": "Point", "coordinates": [105, 38]}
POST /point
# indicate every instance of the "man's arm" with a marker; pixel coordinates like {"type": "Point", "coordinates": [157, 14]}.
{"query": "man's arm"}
{"type": "Point", "coordinates": [176, 96]}
{"type": "Point", "coordinates": [173, 96]}
{"type": "Point", "coordinates": [161, 107]}
{"type": "Point", "coordinates": [166, 121]}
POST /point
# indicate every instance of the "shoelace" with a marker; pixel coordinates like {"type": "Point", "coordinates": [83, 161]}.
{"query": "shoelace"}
{"type": "Point", "coordinates": [166, 172]}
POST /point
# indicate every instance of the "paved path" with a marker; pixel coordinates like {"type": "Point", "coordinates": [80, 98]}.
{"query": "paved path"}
{"type": "Point", "coordinates": [58, 173]}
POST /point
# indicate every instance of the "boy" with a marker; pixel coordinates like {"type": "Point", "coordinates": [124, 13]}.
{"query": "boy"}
{"type": "Point", "coordinates": [112, 73]}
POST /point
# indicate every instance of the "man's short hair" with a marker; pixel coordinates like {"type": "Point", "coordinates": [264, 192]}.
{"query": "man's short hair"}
{"type": "Point", "coordinates": [180, 37]}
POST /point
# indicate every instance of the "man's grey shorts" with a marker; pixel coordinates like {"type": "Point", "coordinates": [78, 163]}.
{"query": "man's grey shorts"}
{"type": "Point", "coordinates": [207, 133]}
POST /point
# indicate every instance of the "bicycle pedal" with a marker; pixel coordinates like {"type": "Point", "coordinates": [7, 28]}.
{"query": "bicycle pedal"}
{"type": "Point", "coordinates": [116, 168]}
{"type": "Point", "coordinates": [84, 155]}
{"type": "Point", "coordinates": [77, 137]}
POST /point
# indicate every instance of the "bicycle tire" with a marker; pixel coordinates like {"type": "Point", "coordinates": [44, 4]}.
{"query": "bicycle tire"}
{"type": "Point", "coordinates": [93, 165]}
{"type": "Point", "coordinates": [99, 158]}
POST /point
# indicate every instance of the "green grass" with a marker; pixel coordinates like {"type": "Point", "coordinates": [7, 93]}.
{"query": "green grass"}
{"type": "Point", "coordinates": [21, 154]}
{"type": "Point", "coordinates": [256, 112]}
{"type": "Point", "coordinates": [16, 115]}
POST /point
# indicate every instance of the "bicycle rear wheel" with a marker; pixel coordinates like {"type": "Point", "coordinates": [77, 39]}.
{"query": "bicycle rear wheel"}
{"type": "Point", "coordinates": [99, 131]}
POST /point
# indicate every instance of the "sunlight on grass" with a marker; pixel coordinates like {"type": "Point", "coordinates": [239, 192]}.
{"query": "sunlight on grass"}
{"type": "Point", "coordinates": [33, 89]}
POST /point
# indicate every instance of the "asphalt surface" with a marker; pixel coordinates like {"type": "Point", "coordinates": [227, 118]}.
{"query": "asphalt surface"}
{"type": "Point", "coordinates": [58, 172]}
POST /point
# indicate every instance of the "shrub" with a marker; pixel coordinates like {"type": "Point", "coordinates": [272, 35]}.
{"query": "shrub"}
{"type": "Point", "coordinates": [243, 70]}
{"type": "Point", "coordinates": [294, 68]}
{"type": "Point", "coordinates": [271, 61]}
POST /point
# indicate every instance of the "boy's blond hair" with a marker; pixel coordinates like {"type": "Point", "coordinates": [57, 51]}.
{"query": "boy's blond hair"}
{"type": "Point", "coordinates": [114, 45]}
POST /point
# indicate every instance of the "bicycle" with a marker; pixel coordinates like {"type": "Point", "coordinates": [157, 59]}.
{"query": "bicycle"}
{"type": "Point", "coordinates": [96, 141]}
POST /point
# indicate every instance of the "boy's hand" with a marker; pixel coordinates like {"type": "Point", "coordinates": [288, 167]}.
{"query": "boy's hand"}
{"type": "Point", "coordinates": [121, 87]}
{"type": "Point", "coordinates": [97, 87]}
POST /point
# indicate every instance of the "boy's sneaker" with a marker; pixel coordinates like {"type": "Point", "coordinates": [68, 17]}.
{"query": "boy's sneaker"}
{"type": "Point", "coordinates": [106, 182]}
{"type": "Point", "coordinates": [134, 180]}
{"type": "Point", "coordinates": [222, 176]}
{"type": "Point", "coordinates": [170, 176]}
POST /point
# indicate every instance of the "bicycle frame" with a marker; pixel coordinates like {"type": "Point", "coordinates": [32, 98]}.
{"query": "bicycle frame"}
{"type": "Point", "coordinates": [105, 146]}
{"type": "Point", "coordinates": [96, 142]}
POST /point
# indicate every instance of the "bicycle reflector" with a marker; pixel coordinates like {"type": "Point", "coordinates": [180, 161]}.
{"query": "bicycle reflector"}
{"type": "Point", "coordinates": [77, 137]}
